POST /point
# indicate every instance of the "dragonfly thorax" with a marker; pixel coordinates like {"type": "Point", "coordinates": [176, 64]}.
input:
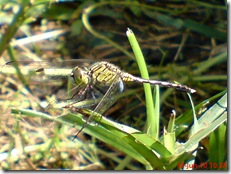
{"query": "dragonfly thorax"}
{"type": "Point", "coordinates": [104, 75]}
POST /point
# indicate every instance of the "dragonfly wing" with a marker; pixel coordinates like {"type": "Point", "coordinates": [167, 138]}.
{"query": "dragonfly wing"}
{"type": "Point", "coordinates": [70, 99]}
{"type": "Point", "coordinates": [42, 70]}
{"type": "Point", "coordinates": [44, 78]}
{"type": "Point", "coordinates": [110, 96]}
{"type": "Point", "coordinates": [106, 100]}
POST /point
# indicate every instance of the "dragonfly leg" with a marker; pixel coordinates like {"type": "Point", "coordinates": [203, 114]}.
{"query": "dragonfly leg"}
{"type": "Point", "coordinates": [87, 114]}
{"type": "Point", "coordinates": [82, 95]}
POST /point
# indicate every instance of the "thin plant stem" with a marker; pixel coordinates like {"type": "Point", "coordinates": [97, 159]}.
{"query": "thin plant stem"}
{"type": "Point", "coordinates": [152, 122]}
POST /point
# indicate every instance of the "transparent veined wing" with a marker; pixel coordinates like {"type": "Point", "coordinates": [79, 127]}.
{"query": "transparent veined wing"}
{"type": "Point", "coordinates": [109, 95]}
{"type": "Point", "coordinates": [45, 79]}
{"type": "Point", "coordinates": [52, 80]}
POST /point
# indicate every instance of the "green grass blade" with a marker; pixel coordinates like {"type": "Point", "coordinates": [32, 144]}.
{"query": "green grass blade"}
{"type": "Point", "coordinates": [208, 122]}
{"type": "Point", "coordinates": [18, 71]}
{"type": "Point", "coordinates": [13, 27]}
{"type": "Point", "coordinates": [194, 26]}
{"type": "Point", "coordinates": [129, 140]}
{"type": "Point", "coordinates": [218, 146]}
{"type": "Point", "coordinates": [151, 124]}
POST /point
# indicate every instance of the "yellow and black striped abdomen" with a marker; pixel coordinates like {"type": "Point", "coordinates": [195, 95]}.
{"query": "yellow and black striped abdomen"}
{"type": "Point", "coordinates": [127, 77]}
{"type": "Point", "coordinates": [104, 73]}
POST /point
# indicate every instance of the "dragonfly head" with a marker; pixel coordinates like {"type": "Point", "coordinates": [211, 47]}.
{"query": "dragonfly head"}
{"type": "Point", "coordinates": [79, 75]}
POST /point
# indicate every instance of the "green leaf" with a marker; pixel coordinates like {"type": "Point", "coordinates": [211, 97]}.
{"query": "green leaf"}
{"type": "Point", "coordinates": [194, 26]}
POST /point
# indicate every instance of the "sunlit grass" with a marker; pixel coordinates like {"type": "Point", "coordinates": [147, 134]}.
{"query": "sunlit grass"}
{"type": "Point", "coordinates": [27, 144]}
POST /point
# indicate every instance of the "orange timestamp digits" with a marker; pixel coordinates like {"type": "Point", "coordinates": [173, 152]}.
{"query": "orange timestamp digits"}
{"type": "Point", "coordinates": [204, 165]}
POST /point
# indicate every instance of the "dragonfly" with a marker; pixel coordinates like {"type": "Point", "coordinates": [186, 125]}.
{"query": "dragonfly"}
{"type": "Point", "coordinates": [93, 86]}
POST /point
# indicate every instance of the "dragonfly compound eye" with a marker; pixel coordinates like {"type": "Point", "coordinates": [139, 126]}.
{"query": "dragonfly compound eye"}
{"type": "Point", "coordinates": [78, 75]}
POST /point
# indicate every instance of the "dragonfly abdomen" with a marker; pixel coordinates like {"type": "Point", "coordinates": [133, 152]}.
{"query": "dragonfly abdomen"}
{"type": "Point", "coordinates": [130, 78]}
